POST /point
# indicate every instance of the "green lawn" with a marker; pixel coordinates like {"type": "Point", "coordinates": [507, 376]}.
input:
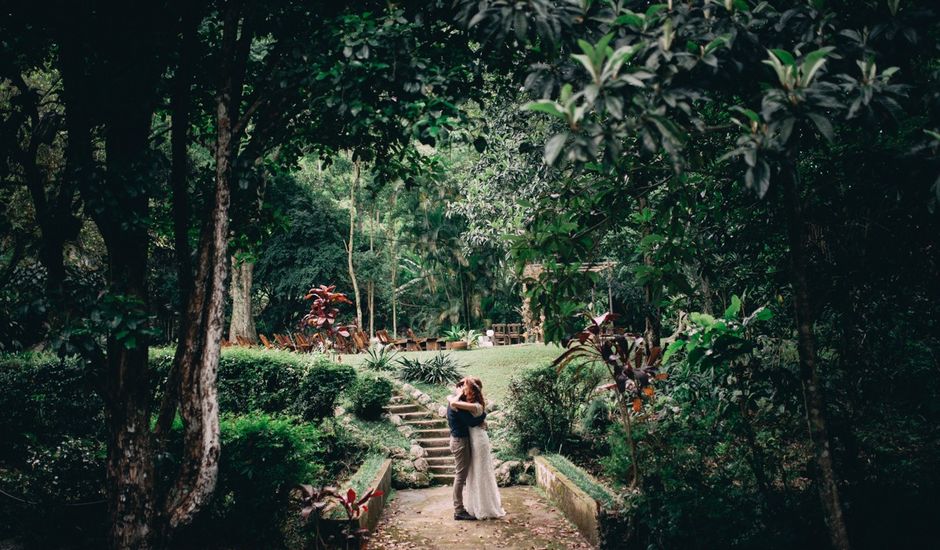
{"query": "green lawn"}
{"type": "Point", "coordinates": [494, 366]}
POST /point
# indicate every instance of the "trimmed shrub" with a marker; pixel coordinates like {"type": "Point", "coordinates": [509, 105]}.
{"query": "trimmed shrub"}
{"type": "Point", "coordinates": [442, 369]}
{"type": "Point", "coordinates": [44, 398]}
{"type": "Point", "coordinates": [62, 482]}
{"type": "Point", "coordinates": [272, 381]}
{"type": "Point", "coordinates": [368, 395]}
{"type": "Point", "coordinates": [320, 388]}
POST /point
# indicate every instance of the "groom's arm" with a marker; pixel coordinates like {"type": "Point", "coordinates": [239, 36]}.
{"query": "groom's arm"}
{"type": "Point", "coordinates": [475, 421]}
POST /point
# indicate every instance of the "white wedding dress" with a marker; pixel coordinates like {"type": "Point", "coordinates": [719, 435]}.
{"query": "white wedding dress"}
{"type": "Point", "coordinates": [481, 495]}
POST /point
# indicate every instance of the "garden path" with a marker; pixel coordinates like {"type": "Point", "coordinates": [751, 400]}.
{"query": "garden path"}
{"type": "Point", "coordinates": [423, 518]}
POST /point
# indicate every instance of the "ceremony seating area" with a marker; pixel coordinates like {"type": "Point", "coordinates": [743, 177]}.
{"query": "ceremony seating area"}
{"type": "Point", "coordinates": [504, 334]}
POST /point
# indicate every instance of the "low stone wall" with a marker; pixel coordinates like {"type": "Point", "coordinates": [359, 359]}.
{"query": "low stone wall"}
{"type": "Point", "coordinates": [370, 518]}
{"type": "Point", "coordinates": [383, 482]}
{"type": "Point", "coordinates": [579, 507]}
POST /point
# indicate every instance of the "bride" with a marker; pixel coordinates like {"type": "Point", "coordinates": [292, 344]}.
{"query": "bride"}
{"type": "Point", "coordinates": [480, 495]}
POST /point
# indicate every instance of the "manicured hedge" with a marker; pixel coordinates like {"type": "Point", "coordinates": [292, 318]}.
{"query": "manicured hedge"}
{"type": "Point", "coordinates": [274, 381]}
{"type": "Point", "coordinates": [44, 398]}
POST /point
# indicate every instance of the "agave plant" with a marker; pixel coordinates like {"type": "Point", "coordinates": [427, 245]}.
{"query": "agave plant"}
{"type": "Point", "coordinates": [380, 359]}
{"type": "Point", "coordinates": [472, 337]}
{"type": "Point", "coordinates": [455, 333]}
{"type": "Point", "coordinates": [441, 369]}
{"type": "Point", "coordinates": [633, 366]}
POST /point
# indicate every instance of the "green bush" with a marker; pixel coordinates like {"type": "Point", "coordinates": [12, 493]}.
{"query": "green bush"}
{"type": "Point", "coordinates": [441, 369]}
{"type": "Point", "coordinates": [543, 406]}
{"type": "Point", "coordinates": [262, 458]}
{"type": "Point", "coordinates": [55, 477]}
{"type": "Point", "coordinates": [596, 418]}
{"type": "Point", "coordinates": [368, 395]}
{"type": "Point", "coordinates": [42, 399]}
{"type": "Point", "coordinates": [320, 387]}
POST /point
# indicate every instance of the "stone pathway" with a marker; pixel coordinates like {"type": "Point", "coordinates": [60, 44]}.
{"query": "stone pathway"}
{"type": "Point", "coordinates": [424, 519]}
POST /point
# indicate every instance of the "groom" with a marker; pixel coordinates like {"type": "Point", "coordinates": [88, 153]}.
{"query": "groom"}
{"type": "Point", "coordinates": [460, 423]}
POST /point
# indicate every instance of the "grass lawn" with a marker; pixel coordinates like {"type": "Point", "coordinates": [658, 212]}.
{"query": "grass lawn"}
{"type": "Point", "coordinates": [582, 479]}
{"type": "Point", "coordinates": [494, 366]}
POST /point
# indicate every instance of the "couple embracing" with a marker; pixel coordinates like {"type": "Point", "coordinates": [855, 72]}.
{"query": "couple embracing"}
{"type": "Point", "coordinates": [476, 495]}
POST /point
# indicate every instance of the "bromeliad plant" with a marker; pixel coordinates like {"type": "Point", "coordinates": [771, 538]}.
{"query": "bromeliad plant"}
{"type": "Point", "coordinates": [313, 502]}
{"type": "Point", "coordinates": [633, 366]}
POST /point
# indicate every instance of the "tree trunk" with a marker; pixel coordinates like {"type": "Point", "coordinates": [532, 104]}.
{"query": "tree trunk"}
{"type": "Point", "coordinates": [371, 289]}
{"type": "Point", "coordinates": [243, 322]}
{"type": "Point", "coordinates": [119, 208]}
{"type": "Point", "coordinates": [394, 266]}
{"type": "Point", "coordinates": [812, 391]}
{"type": "Point", "coordinates": [199, 347]}
{"type": "Point", "coordinates": [653, 321]}
{"type": "Point", "coordinates": [130, 468]}
{"type": "Point", "coordinates": [179, 177]}
{"type": "Point", "coordinates": [350, 244]}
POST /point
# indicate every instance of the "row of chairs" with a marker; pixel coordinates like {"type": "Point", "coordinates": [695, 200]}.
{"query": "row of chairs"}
{"type": "Point", "coordinates": [412, 343]}
{"type": "Point", "coordinates": [301, 343]}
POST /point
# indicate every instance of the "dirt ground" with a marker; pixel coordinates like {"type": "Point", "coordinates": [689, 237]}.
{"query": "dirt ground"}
{"type": "Point", "coordinates": [424, 519]}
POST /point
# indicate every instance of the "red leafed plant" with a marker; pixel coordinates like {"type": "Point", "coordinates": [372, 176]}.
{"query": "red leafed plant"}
{"type": "Point", "coordinates": [633, 366]}
{"type": "Point", "coordinates": [324, 310]}
{"type": "Point", "coordinates": [314, 500]}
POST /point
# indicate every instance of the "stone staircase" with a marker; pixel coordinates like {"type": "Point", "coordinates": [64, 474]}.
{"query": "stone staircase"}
{"type": "Point", "coordinates": [431, 433]}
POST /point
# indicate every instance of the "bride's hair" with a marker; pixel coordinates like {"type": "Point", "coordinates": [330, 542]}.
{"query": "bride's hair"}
{"type": "Point", "coordinates": [473, 390]}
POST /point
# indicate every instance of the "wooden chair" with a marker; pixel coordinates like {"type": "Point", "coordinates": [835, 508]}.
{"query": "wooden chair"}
{"type": "Point", "coordinates": [285, 342]}
{"type": "Point", "coordinates": [302, 344]}
{"type": "Point", "coordinates": [362, 340]}
{"type": "Point", "coordinates": [414, 343]}
{"type": "Point", "coordinates": [243, 342]}
{"type": "Point", "coordinates": [265, 342]}
{"type": "Point", "coordinates": [514, 333]}
{"type": "Point", "coordinates": [317, 341]}
{"type": "Point", "coordinates": [340, 343]}
{"type": "Point", "coordinates": [500, 337]}
{"type": "Point", "coordinates": [388, 341]}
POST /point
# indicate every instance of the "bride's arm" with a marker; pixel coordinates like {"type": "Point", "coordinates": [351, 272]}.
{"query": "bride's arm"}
{"type": "Point", "coordinates": [456, 404]}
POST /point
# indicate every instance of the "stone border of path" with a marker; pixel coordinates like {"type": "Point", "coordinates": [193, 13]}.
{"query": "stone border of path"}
{"type": "Point", "coordinates": [370, 518]}
{"type": "Point", "coordinates": [580, 508]}
{"type": "Point", "coordinates": [383, 482]}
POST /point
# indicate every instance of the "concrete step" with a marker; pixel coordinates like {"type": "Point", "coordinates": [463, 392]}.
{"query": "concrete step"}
{"type": "Point", "coordinates": [441, 470]}
{"type": "Point", "coordinates": [442, 479]}
{"type": "Point", "coordinates": [437, 432]}
{"type": "Point", "coordinates": [441, 460]}
{"type": "Point", "coordinates": [398, 398]}
{"type": "Point", "coordinates": [433, 452]}
{"type": "Point", "coordinates": [434, 442]}
{"type": "Point", "coordinates": [420, 415]}
{"type": "Point", "coordinates": [428, 424]}
{"type": "Point", "coordinates": [403, 408]}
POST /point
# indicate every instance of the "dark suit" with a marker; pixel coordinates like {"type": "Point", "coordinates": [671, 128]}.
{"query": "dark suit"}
{"type": "Point", "coordinates": [460, 423]}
